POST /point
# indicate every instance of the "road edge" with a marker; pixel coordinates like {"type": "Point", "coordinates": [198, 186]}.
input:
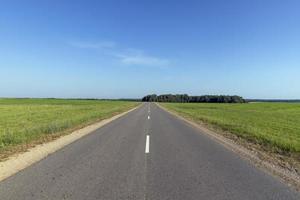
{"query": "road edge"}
{"type": "Point", "coordinates": [291, 180]}
{"type": "Point", "coordinates": [18, 162]}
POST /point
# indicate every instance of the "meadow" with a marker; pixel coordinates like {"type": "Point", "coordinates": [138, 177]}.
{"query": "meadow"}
{"type": "Point", "coordinates": [275, 126]}
{"type": "Point", "coordinates": [25, 121]}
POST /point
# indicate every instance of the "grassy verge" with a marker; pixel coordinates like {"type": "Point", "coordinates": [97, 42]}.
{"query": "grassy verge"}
{"type": "Point", "coordinates": [275, 126]}
{"type": "Point", "coordinates": [24, 122]}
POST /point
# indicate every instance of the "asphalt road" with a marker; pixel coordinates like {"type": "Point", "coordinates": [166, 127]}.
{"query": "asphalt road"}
{"type": "Point", "coordinates": [139, 157]}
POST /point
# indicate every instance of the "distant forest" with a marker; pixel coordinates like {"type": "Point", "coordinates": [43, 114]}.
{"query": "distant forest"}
{"type": "Point", "coordinates": [184, 98]}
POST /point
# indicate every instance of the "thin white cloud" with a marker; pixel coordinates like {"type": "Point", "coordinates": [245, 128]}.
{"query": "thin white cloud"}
{"type": "Point", "coordinates": [143, 60]}
{"type": "Point", "coordinates": [128, 56]}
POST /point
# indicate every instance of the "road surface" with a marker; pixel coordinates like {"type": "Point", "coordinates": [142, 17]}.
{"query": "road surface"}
{"type": "Point", "coordinates": [146, 154]}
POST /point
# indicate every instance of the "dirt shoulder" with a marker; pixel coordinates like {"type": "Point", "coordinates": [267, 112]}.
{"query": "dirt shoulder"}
{"type": "Point", "coordinates": [284, 167]}
{"type": "Point", "coordinates": [20, 160]}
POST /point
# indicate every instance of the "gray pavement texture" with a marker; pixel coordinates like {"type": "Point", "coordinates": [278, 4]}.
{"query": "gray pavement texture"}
{"type": "Point", "coordinates": [111, 163]}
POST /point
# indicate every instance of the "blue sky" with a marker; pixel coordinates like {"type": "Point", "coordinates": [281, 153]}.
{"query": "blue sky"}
{"type": "Point", "coordinates": [113, 49]}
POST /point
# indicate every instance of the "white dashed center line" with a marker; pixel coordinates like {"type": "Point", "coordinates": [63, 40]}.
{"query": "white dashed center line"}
{"type": "Point", "coordinates": [147, 144]}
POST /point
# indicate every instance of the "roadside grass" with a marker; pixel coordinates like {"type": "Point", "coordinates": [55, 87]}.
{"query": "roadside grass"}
{"type": "Point", "coordinates": [275, 126]}
{"type": "Point", "coordinates": [25, 121]}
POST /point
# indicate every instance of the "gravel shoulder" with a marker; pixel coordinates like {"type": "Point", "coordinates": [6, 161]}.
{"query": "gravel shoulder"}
{"type": "Point", "coordinates": [285, 168]}
{"type": "Point", "coordinates": [20, 161]}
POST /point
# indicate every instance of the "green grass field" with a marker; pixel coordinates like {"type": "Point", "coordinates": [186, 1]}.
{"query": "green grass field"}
{"type": "Point", "coordinates": [27, 120]}
{"type": "Point", "coordinates": [274, 125]}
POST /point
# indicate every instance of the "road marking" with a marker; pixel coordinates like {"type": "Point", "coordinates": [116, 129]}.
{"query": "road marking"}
{"type": "Point", "coordinates": [147, 144]}
{"type": "Point", "coordinates": [148, 117]}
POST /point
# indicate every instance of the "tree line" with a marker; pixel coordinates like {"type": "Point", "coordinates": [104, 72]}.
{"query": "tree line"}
{"type": "Point", "coordinates": [184, 98]}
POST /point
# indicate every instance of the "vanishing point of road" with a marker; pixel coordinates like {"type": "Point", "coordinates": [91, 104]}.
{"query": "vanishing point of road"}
{"type": "Point", "coordinates": [146, 154]}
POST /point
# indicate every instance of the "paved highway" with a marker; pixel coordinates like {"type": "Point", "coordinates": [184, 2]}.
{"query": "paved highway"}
{"type": "Point", "coordinates": [146, 154]}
